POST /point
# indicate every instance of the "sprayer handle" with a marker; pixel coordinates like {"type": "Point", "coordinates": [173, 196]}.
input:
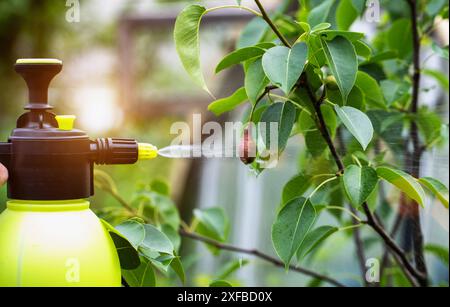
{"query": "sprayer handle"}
{"type": "Point", "coordinates": [38, 73]}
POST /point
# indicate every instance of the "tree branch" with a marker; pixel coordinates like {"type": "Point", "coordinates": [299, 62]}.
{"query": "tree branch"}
{"type": "Point", "coordinates": [322, 125]}
{"type": "Point", "coordinates": [417, 147]}
{"type": "Point", "coordinates": [359, 244]}
{"type": "Point", "coordinates": [399, 254]}
{"type": "Point", "coordinates": [271, 24]}
{"type": "Point", "coordinates": [258, 254]}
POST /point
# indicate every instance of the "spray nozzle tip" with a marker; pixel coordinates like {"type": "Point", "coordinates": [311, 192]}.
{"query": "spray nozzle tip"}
{"type": "Point", "coordinates": [147, 151]}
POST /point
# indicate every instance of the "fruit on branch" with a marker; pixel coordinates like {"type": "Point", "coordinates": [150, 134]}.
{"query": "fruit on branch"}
{"type": "Point", "coordinates": [247, 147]}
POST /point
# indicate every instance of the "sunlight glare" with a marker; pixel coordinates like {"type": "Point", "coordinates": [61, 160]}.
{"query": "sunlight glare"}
{"type": "Point", "coordinates": [98, 109]}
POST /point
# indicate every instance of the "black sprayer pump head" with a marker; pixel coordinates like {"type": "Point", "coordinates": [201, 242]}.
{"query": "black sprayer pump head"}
{"type": "Point", "coordinates": [46, 158]}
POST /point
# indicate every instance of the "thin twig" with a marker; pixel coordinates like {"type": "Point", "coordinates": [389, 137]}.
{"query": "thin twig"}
{"type": "Point", "coordinates": [186, 232]}
{"type": "Point", "coordinates": [323, 128]}
{"type": "Point", "coordinates": [259, 254]}
{"type": "Point", "coordinates": [267, 90]}
{"type": "Point", "coordinates": [266, 17]}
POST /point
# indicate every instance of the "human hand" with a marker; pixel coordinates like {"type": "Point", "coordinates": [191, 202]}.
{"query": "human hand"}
{"type": "Point", "coordinates": [3, 174]}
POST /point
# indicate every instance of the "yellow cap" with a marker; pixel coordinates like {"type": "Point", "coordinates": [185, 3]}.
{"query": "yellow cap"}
{"type": "Point", "coordinates": [147, 151]}
{"type": "Point", "coordinates": [38, 61]}
{"type": "Point", "coordinates": [65, 122]}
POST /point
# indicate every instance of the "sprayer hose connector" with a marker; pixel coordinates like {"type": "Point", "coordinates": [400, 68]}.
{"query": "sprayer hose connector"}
{"type": "Point", "coordinates": [115, 151]}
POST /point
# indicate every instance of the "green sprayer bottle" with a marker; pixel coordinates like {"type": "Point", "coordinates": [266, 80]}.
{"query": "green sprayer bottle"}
{"type": "Point", "coordinates": [48, 234]}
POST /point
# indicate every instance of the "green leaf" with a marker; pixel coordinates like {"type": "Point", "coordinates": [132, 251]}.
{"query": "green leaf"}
{"type": "Point", "coordinates": [357, 123]}
{"type": "Point", "coordinates": [295, 187]}
{"type": "Point", "coordinates": [319, 28]}
{"type": "Point", "coordinates": [371, 90]}
{"type": "Point", "coordinates": [439, 252]}
{"type": "Point", "coordinates": [213, 223]}
{"type": "Point", "coordinates": [437, 188]}
{"type": "Point", "coordinates": [441, 78]}
{"type": "Point", "coordinates": [283, 66]}
{"type": "Point", "coordinates": [362, 49]}
{"type": "Point", "coordinates": [430, 125]}
{"type": "Point", "coordinates": [291, 226]}
{"type": "Point", "coordinates": [156, 240]}
{"type": "Point", "coordinates": [359, 182]}
{"type": "Point", "coordinates": [220, 284]}
{"type": "Point", "coordinates": [230, 268]}
{"type": "Point", "coordinates": [399, 38]}
{"type": "Point", "coordinates": [239, 56]}
{"type": "Point", "coordinates": [133, 231]}
{"type": "Point", "coordinates": [355, 99]}
{"type": "Point", "coordinates": [404, 182]}
{"type": "Point", "coordinates": [315, 143]}
{"type": "Point", "coordinates": [346, 14]}
{"type": "Point", "coordinates": [223, 105]}
{"type": "Point", "coordinates": [160, 186]}
{"type": "Point", "coordinates": [320, 13]}
{"type": "Point", "coordinates": [313, 239]}
{"type": "Point", "coordinates": [187, 42]}
{"type": "Point", "coordinates": [284, 114]}
{"type": "Point", "coordinates": [434, 7]}
{"type": "Point", "coordinates": [253, 33]}
{"type": "Point", "coordinates": [255, 80]}
{"type": "Point", "coordinates": [440, 51]}
{"type": "Point", "coordinates": [160, 206]}
{"type": "Point", "coordinates": [161, 262]}
{"type": "Point", "coordinates": [359, 5]}
{"type": "Point", "coordinates": [128, 255]}
{"type": "Point", "coordinates": [393, 90]}
{"type": "Point", "coordinates": [332, 34]}
{"type": "Point", "coordinates": [143, 276]}
{"type": "Point", "coordinates": [173, 235]}
{"type": "Point", "coordinates": [177, 267]}
{"type": "Point", "coordinates": [343, 63]}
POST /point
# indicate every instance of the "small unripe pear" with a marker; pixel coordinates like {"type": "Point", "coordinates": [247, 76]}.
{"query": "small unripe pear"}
{"type": "Point", "coordinates": [247, 148]}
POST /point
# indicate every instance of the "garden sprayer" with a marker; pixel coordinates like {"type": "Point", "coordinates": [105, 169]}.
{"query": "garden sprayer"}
{"type": "Point", "coordinates": [48, 234]}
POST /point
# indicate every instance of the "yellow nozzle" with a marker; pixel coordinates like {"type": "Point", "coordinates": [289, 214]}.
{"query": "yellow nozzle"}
{"type": "Point", "coordinates": [147, 151]}
{"type": "Point", "coordinates": [65, 122]}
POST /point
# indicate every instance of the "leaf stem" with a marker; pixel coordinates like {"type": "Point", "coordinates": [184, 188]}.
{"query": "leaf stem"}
{"type": "Point", "coordinates": [321, 185]}
{"type": "Point", "coordinates": [355, 158]}
{"type": "Point", "coordinates": [233, 7]}
{"type": "Point", "coordinates": [350, 227]}
{"type": "Point", "coordinates": [347, 211]}
{"type": "Point", "coordinates": [290, 100]}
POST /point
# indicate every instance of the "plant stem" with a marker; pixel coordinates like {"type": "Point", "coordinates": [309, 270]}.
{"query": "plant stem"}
{"type": "Point", "coordinates": [186, 231]}
{"type": "Point", "coordinates": [258, 254]}
{"type": "Point", "coordinates": [353, 215]}
{"type": "Point", "coordinates": [321, 185]}
{"type": "Point", "coordinates": [399, 254]}
{"type": "Point", "coordinates": [291, 101]}
{"type": "Point", "coordinates": [351, 227]}
{"type": "Point", "coordinates": [417, 147]}
{"type": "Point", "coordinates": [233, 7]}
{"type": "Point", "coordinates": [271, 24]}
{"type": "Point", "coordinates": [266, 91]}
{"type": "Point", "coordinates": [323, 127]}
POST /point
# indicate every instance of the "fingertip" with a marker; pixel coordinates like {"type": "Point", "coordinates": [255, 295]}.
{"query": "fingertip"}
{"type": "Point", "coordinates": [3, 174]}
